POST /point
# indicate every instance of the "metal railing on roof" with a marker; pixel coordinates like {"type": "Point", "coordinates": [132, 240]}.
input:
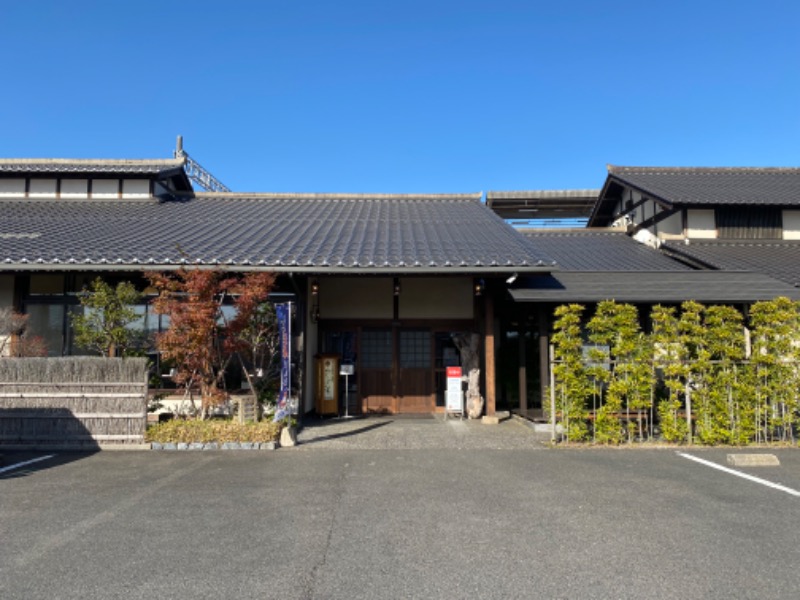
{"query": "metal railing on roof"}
{"type": "Point", "coordinates": [197, 173]}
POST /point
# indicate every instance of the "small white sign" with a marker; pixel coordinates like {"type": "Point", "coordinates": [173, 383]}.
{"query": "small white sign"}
{"type": "Point", "coordinates": [347, 369]}
{"type": "Point", "coordinates": [455, 400]}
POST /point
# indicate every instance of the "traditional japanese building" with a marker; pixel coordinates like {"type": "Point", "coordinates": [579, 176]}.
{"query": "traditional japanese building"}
{"type": "Point", "coordinates": [384, 284]}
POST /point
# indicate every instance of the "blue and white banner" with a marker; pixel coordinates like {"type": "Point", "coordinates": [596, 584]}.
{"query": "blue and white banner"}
{"type": "Point", "coordinates": [283, 312]}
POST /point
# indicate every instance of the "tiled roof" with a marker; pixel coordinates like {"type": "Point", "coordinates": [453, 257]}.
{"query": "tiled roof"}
{"type": "Point", "coordinates": [660, 287]}
{"type": "Point", "coordinates": [714, 185]}
{"type": "Point", "coordinates": [777, 258]}
{"type": "Point", "coordinates": [588, 250]}
{"type": "Point", "coordinates": [288, 232]}
{"type": "Point", "coordinates": [105, 166]}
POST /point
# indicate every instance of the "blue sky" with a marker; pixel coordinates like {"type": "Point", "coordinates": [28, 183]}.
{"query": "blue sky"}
{"type": "Point", "coordinates": [405, 96]}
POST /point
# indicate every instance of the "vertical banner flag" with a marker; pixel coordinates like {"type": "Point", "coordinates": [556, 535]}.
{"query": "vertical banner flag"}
{"type": "Point", "coordinates": [283, 312]}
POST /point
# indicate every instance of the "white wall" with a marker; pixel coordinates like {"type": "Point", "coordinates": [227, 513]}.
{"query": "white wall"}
{"type": "Point", "coordinates": [701, 224]}
{"type": "Point", "coordinates": [135, 188]}
{"type": "Point", "coordinates": [42, 188]}
{"type": "Point", "coordinates": [12, 187]}
{"type": "Point", "coordinates": [791, 224]}
{"type": "Point", "coordinates": [671, 227]}
{"type": "Point", "coordinates": [105, 188]}
{"type": "Point", "coordinates": [74, 188]}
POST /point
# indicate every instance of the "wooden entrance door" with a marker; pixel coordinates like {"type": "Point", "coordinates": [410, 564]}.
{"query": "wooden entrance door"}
{"type": "Point", "coordinates": [415, 371]}
{"type": "Point", "coordinates": [377, 371]}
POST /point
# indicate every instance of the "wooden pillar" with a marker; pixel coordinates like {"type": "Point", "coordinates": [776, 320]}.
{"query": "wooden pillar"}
{"type": "Point", "coordinates": [523, 369]}
{"type": "Point", "coordinates": [544, 351]}
{"type": "Point", "coordinates": [489, 357]}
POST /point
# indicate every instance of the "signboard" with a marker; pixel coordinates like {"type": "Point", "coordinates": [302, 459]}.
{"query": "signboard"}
{"type": "Point", "coordinates": [453, 378]}
{"type": "Point", "coordinates": [453, 373]}
{"type": "Point", "coordinates": [345, 369]}
{"type": "Point", "coordinates": [454, 397]}
{"type": "Point", "coordinates": [283, 313]}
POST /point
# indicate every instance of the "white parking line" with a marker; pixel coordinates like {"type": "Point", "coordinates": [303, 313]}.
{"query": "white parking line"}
{"type": "Point", "coordinates": [708, 463]}
{"type": "Point", "coordinates": [27, 462]}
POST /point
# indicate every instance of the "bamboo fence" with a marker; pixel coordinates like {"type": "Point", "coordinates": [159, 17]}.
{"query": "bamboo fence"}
{"type": "Point", "coordinates": [72, 402]}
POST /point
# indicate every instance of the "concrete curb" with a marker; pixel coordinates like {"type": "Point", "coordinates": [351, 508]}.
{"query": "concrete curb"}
{"type": "Point", "coordinates": [199, 446]}
{"type": "Point", "coordinates": [753, 460]}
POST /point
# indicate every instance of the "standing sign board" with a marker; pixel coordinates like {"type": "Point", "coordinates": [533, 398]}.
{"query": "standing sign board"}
{"type": "Point", "coordinates": [454, 397]}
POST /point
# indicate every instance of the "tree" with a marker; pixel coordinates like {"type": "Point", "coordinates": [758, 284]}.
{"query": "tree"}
{"type": "Point", "coordinates": [572, 387]}
{"type": "Point", "coordinates": [257, 345]}
{"type": "Point", "coordinates": [201, 340]}
{"type": "Point", "coordinates": [107, 312]}
{"type": "Point", "coordinates": [15, 338]}
{"type": "Point", "coordinates": [669, 355]}
{"type": "Point", "coordinates": [615, 327]}
{"type": "Point", "coordinates": [775, 377]}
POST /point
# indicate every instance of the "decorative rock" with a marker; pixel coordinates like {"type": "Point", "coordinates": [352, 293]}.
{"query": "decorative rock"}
{"type": "Point", "coordinates": [183, 446]}
{"type": "Point", "coordinates": [491, 420]}
{"type": "Point", "coordinates": [288, 437]}
{"type": "Point", "coordinates": [170, 446]}
{"type": "Point", "coordinates": [157, 446]}
{"type": "Point", "coordinates": [211, 446]}
{"type": "Point", "coordinates": [196, 446]}
{"type": "Point", "coordinates": [230, 446]}
{"type": "Point", "coordinates": [246, 445]}
{"type": "Point", "coordinates": [268, 445]}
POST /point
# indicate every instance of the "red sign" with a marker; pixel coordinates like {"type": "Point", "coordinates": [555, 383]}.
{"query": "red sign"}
{"type": "Point", "coordinates": [454, 372]}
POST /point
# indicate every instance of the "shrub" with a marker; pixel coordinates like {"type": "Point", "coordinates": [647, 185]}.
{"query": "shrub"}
{"type": "Point", "coordinates": [214, 430]}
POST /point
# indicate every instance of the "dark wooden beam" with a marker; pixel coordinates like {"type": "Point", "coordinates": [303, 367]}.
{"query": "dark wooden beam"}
{"type": "Point", "coordinates": [544, 350]}
{"type": "Point", "coordinates": [523, 369]}
{"type": "Point", "coordinates": [491, 382]}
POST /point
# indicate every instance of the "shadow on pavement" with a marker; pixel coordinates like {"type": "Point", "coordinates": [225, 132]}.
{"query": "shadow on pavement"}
{"type": "Point", "coordinates": [312, 429]}
{"type": "Point", "coordinates": [35, 439]}
{"type": "Point", "coordinates": [21, 463]}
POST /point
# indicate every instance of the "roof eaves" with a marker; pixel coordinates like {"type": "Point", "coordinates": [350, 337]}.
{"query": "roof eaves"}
{"type": "Point", "coordinates": [341, 196]}
{"type": "Point", "coordinates": [307, 269]}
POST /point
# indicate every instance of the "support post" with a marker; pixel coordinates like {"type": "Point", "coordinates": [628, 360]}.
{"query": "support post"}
{"type": "Point", "coordinates": [523, 371]}
{"type": "Point", "coordinates": [544, 360]}
{"type": "Point", "coordinates": [489, 357]}
{"type": "Point", "coordinates": [552, 397]}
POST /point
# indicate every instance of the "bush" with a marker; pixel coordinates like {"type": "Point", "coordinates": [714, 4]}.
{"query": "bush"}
{"type": "Point", "coordinates": [215, 430]}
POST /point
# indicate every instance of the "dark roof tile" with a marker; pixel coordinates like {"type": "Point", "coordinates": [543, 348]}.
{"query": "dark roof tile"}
{"type": "Point", "coordinates": [657, 287]}
{"type": "Point", "coordinates": [714, 185]}
{"type": "Point", "coordinates": [368, 233]}
{"type": "Point", "coordinates": [59, 166]}
{"type": "Point", "coordinates": [777, 258]}
{"type": "Point", "coordinates": [588, 250]}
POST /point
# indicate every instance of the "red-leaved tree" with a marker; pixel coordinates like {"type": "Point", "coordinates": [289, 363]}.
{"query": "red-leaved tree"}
{"type": "Point", "coordinates": [200, 340]}
{"type": "Point", "coordinates": [15, 338]}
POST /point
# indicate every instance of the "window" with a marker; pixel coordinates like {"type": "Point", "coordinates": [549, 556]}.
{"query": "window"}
{"type": "Point", "coordinates": [376, 349]}
{"type": "Point", "coordinates": [415, 349]}
{"type": "Point", "coordinates": [749, 222]}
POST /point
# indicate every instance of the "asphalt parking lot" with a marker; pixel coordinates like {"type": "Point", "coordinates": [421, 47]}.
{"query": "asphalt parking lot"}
{"type": "Point", "coordinates": [318, 521]}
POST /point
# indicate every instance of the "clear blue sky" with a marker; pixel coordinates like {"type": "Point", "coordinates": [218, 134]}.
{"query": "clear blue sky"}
{"type": "Point", "coordinates": [405, 96]}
